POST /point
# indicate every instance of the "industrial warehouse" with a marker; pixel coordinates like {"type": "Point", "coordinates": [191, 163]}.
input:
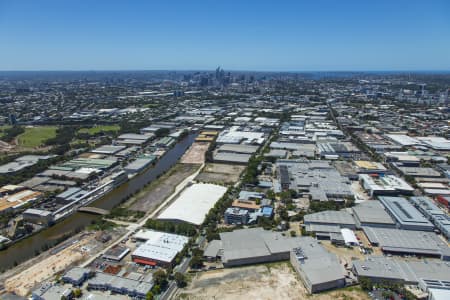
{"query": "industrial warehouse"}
{"type": "Point", "coordinates": [159, 248]}
{"type": "Point", "coordinates": [309, 258]}
{"type": "Point", "coordinates": [193, 203]}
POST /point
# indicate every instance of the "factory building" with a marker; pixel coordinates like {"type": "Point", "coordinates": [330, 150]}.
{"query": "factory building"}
{"type": "Point", "coordinates": [381, 269]}
{"type": "Point", "coordinates": [137, 289]}
{"type": "Point", "coordinates": [317, 178]}
{"type": "Point", "coordinates": [319, 270]}
{"type": "Point", "coordinates": [108, 149]}
{"type": "Point", "coordinates": [398, 241]}
{"type": "Point", "coordinates": [379, 184]}
{"type": "Point", "coordinates": [77, 276]}
{"type": "Point", "coordinates": [255, 245]}
{"type": "Point", "coordinates": [37, 216]}
{"type": "Point", "coordinates": [159, 248]}
{"type": "Point", "coordinates": [432, 212]}
{"type": "Point", "coordinates": [405, 214]}
{"type": "Point", "coordinates": [193, 203]}
{"type": "Point", "coordinates": [50, 291]}
{"type": "Point", "coordinates": [372, 213]}
{"type": "Point", "coordinates": [139, 164]}
{"type": "Point", "coordinates": [330, 217]}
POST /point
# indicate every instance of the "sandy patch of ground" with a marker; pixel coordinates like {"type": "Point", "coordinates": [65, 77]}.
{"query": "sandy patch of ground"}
{"type": "Point", "coordinates": [220, 173]}
{"type": "Point", "coordinates": [262, 282]}
{"type": "Point", "coordinates": [23, 282]}
{"type": "Point", "coordinates": [255, 282]}
{"type": "Point", "coordinates": [346, 255]}
{"type": "Point", "coordinates": [195, 154]}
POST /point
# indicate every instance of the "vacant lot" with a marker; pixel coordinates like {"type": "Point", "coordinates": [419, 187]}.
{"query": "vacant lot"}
{"type": "Point", "coordinates": [273, 281]}
{"type": "Point", "coordinates": [154, 194]}
{"type": "Point", "coordinates": [36, 136]}
{"type": "Point", "coordinates": [23, 282]}
{"type": "Point", "coordinates": [195, 154]}
{"type": "Point", "coordinates": [220, 173]}
{"type": "Point", "coordinates": [100, 128]}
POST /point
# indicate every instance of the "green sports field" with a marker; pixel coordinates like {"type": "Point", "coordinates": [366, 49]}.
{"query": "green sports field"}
{"type": "Point", "coordinates": [36, 136]}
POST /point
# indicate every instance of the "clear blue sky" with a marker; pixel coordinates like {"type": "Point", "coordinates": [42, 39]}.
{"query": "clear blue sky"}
{"type": "Point", "coordinates": [238, 35]}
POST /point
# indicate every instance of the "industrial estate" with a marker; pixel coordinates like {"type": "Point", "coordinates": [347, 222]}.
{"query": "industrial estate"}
{"type": "Point", "coordinates": [224, 185]}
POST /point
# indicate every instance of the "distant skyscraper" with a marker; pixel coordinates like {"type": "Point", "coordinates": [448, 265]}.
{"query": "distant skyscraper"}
{"type": "Point", "coordinates": [12, 119]}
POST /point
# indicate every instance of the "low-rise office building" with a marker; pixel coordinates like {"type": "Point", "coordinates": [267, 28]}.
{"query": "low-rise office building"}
{"type": "Point", "coordinates": [77, 276]}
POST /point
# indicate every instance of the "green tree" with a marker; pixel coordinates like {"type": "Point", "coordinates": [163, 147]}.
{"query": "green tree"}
{"type": "Point", "coordinates": [196, 262]}
{"type": "Point", "coordinates": [162, 132]}
{"type": "Point", "coordinates": [156, 289]}
{"type": "Point", "coordinates": [149, 296]}
{"type": "Point", "coordinates": [180, 279]}
{"type": "Point", "coordinates": [77, 293]}
{"type": "Point", "coordinates": [160, 278]}
{"type": "Point", "coordinates": [366, 283]}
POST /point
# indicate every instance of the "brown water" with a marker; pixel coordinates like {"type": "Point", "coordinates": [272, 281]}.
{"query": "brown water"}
{"type": "Point", "coordinates": [28, 248]}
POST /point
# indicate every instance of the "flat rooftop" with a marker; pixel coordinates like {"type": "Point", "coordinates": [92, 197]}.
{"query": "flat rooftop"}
{"type": "Point", "coordinates": [330, 217]}
{"type": "Point", "coordinates": [372, 212]}
{"type": "Point", "coordinates": [406, 241]}
{"type": "Point", "coordinates": [193, 203]}
{"type": "Point", "coordinates": [408, 271]}
{"type": "Point", "coordinates": [253, 243]}
{"type": "Point", "coordinates": [405, 213]}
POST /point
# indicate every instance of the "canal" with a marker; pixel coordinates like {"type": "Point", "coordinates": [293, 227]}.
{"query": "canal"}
{"type": "Point", "coordinates": [29, 247]}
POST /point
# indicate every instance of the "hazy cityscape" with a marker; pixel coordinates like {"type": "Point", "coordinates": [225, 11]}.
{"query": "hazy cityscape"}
{"type": "Point", "coordinates": [220, 182]}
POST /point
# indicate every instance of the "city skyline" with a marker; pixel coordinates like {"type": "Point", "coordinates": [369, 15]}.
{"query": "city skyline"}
{"type": "Point", "coordinates": [262, 36]}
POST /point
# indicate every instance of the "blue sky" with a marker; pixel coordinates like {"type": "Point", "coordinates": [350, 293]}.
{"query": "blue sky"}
{"type": "Point", "coordinates": [238, 35]}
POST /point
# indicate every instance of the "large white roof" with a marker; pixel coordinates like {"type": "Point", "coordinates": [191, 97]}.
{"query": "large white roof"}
{"type": "Point", "coordinates": [194, 203]}
{"type": "Point", "coordinates": [159, 245]}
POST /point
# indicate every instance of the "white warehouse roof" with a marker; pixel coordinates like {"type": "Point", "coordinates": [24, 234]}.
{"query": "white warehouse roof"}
{"type": "Point", "coordinates": [194, 203]}
{"type": "Point", "coordinates": [159, 245]}
{"type": "Point", "coordinates": [349, 236]}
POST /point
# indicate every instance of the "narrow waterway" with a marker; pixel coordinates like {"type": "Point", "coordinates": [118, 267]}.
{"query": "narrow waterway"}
{"type": "Point", "coordinates": [28, 247]}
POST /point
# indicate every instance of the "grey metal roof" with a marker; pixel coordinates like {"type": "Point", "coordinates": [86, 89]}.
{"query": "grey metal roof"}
{"type": "Point", "coordinates": [404, 212]}
{"type": "Point", "coordinates": [232, 157]}
{"type": "Point", "coordinates": [372, 212]}
{"type": "Point", "coordinates": [213, 248]}
{"type": "Point", "coordinates": [317, 264]}
{"type": "Point", "coordinates": [409, 271]}
{"type": "Point", "coordinates": [254, 242]}
{"type": "Point", "coordinates": [238, 148]}
{"type": "Point", "coordinates": [330, 217]}
{"type": "Point", "coordinates": [76, 273]}
{"type": "Point", "coordinates": [407, 241]}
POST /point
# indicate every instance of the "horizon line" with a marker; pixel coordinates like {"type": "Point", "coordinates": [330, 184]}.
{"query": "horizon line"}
{"type": "Point", "coordinates": [233, 70]}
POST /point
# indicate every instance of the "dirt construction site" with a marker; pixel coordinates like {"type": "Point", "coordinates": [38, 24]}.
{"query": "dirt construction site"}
{"type": "Point", "coordinates": [69, 254]}
{"type": "Point", "coordinates": [195, 154]}
{"type": "Point", "coordinates": [220, 173]}
{"type": "Point", "coordinates": [262, 282]}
